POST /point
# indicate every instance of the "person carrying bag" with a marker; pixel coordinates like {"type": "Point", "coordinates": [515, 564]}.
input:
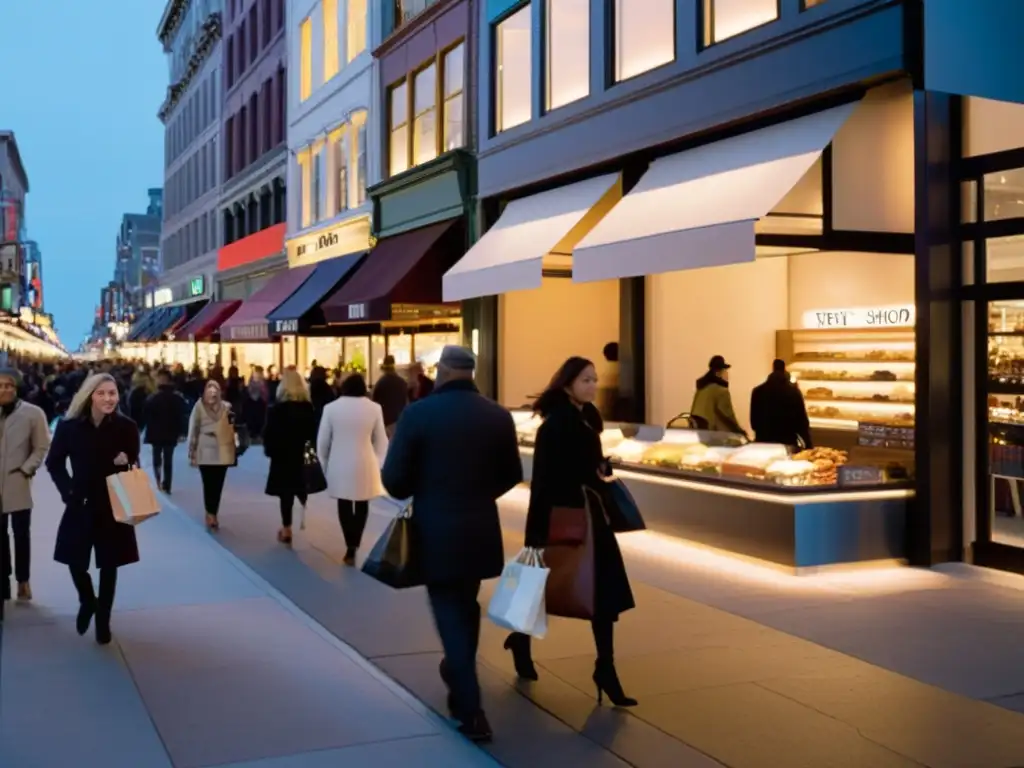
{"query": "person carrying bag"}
{"type": "Point", "coordinates": [518, 601]}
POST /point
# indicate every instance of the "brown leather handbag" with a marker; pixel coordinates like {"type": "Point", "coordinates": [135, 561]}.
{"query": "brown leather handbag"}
{"type": "Point", "coordinates": [568, 525]}
{"type": "Point", "coordinates": [570, 590]}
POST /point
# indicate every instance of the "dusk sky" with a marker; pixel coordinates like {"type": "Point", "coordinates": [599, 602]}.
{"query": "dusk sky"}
{"type": "Point", "coordinates": [80, 87]}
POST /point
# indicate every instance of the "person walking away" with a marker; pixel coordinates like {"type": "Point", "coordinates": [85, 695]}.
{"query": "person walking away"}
{"type": "Point", "coordinates": [24, 440]}
{"type": "Point", "coordinates": [164, 416]}
{"type": "Point", "coordinates": [291, 425]}
{"type": "Point", "coordinates": [777, 410]}
{"type": "Point", "coordinates": [352, 444]}
{"type": "Point", "coordinates": [568, 459]}
{"type": "Point", "coordinates": [712, 403]}
{"type": "Point", "coordinates": [97, 441]}
{"type": "Point", "coordinates": [211, 447]}
{"type": "Point", "coordinates": [420, 385]}
{"type": "Point", "coordinates": [254, 404]}
{"type": "Point", "coordinates": [391, 393]}
{"type": "Point", "coordinates": [456, 454]}
{"type": "Point", "coordinates": [320, 391]}
{"type": "Point", "coordinates": [142, 387]}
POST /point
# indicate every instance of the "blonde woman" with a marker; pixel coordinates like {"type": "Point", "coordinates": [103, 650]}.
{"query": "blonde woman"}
{"type": "Point", "coordinates": [291, 424]}
{"type": "Point", "coordinates": [98, 442]}
{"type": "Point", "coordinates": [211, 447]}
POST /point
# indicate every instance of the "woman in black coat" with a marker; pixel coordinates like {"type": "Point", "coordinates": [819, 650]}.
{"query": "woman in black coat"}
{"type": "Point", "coordinates": [99, 442]}
{"type": "Point", "coordinates": [291, 425]}
{"type": "Point", "coordinates": [568, 457]}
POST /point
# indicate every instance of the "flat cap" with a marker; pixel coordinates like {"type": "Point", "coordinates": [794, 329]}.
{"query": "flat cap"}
{"type": "Point", "coordinates": [6, 372]}
{"type": "Point", "coordinates": [457, 358]}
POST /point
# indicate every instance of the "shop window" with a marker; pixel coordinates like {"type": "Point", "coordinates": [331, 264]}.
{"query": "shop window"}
{"type": "Point", "coordinates": [991, 126]}
{"type": "Point", "coordinates": [514, 79]}
{"type": "Point", "coordinates": [330, 11]}
{"type": "Point", "coordinates": [398, 122]}
{"type": "Point", "coordinates": [424, 125]}
{"type": "Point", "coordinates": [1004, 195]}
{"type": "Point", "coordinates": [568, 51]}
{"type": "Point", "coordinates": [1004, 259]}
{"type": "Point", "coordinates": [645, 36]}
{"type": "Point", "coordinates": [727, 18]}
{"type": "Point", "coordinates": [358, 132]}
{"type": "Point", "coordinates": [454, 69]}
{"type": "Point", "coordinates": [306, 59]}
{"type": "Point", "coordinates": [340, 156]}
{"type": "Point", "coordinates": [355, 29]}
{"type": "Point", "coordinates": [1005, 405]}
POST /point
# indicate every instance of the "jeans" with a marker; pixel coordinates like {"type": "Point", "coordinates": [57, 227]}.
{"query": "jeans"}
{"type": "Point", "coordinates": [457, 615]}
{"type": "Point", "coordinates": [163, 464]}
{"type": "Point", "coordinates": [352, 516]}
{"type": "Point", "coordinates": [21, 523]}
{"type": "Point", "coordinates": [213, 486]}
{"type": "Point", "coordinates": [287, 502]}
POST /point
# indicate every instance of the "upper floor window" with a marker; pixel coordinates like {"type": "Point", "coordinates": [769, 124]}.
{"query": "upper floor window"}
{"type": "Point", "coordinates": [330, 11]}
{"type": "Point", "coordinates": [645, 36]}
{"type": "Point", "coordinates": [514, 57]}
{"type": "Point", "coordinates": [302, 199]}
{"type": "Point", "coordinates": [339, 158]}
{"type": "Point", "coordinates": [568, 51]}
{"type": "Point", "coordinates": [359, 152]}
{"type": "Point", "coordinates": [306, 59]}
{"type": "Point", "coordinates": [316, 183]}
{"type": "Point", "coordinates": [424, 125]}
{"type": "Point", "coordinates": [355, 28]}
{"type": "Point", "coordinates": [727, 18]}
{"type": "Point", "coordinates": [453, 68]}
{"type": "Point", "coordinates": [398, 128]}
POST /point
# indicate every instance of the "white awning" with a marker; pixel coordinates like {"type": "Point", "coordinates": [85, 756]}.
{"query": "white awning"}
{"type": "Point", "coordinates": [532, 233]}
{"type": "Point", "coordinates": [698, 208]}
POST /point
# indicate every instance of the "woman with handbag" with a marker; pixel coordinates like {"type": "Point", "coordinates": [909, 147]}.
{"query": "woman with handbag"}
{"type": "Point", "coordinates": [211, 447]}
{"type": "Point", "coordinates": [569, 480]}
{"type": "Point", "coordinates": [98, 441]}
{"type": "Point", "coordinates": [291, 426]}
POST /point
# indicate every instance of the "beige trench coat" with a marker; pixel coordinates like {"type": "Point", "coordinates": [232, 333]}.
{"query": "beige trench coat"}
{"type": "Point", "coordinates": [25, 441]}
{"type": "Point", "coordinates": [211, 442]}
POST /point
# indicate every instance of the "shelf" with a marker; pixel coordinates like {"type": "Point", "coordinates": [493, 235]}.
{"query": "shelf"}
{"type": "Point", "coordinates": [856, 381]}
{"type": "Point", "coordinates": [859, 401]}
{"type": "Point", "coordinates": [1005, 388]}
{"type": "Point", "coordinates": [1006, 333]}
{"type": "Point", "coordinates": [845, 360]}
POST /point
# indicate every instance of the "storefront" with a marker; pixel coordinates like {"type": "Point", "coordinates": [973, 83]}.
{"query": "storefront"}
{"type": "Point", "coordinates": [196, 342]}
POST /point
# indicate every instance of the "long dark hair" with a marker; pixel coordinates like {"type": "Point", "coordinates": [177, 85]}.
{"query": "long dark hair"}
{"type": "Point", "coordinates": [555, 394]}
{"type": "Point", "coordinates": [354, 385]}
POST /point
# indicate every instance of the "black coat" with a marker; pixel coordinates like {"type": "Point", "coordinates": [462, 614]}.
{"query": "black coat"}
{"type": "Point", "coordinates": [568, 456]}
{"type": "Point", "coordinates": [455, 454]}
{"type": "Point", "coordinates": [166, 414]}
{"type": "Point", "coordinates": [778, 413]}
{"type": "Point", "coordinates": [88, 522]}
{"type": "Point", "coordinates": [290, 425]}
{"type": "Point", "coordinates": [391, 393]}
{"type": "Point", "coordinates": [136, 409]}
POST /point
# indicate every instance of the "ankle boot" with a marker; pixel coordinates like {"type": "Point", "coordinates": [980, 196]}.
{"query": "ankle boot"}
{"type": "Point", "coordinates": [519, 645]}
{"type": "Point", "coordinates": [607, 681]}
{"type": "Point", "coordinates": [105, 605]}
{"type": "Point", "coordinates": [86, 600]}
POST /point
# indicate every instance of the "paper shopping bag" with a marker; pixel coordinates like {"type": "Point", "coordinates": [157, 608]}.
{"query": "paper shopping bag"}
{"type": "Point", "coordinates": [131, 497]}
{"type": "Point", "coordinates": [518, 600]}
{"type": "Point", "coordinates": [394, 559]}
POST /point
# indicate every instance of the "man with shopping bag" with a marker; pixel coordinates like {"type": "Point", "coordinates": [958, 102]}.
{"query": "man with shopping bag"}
{"type": "Point", "coordinates": [518, 600]}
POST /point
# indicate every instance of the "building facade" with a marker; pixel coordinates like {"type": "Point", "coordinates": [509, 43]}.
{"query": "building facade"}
{"type": "Point", "coordinates": [191, 32]}
{"type": "Point", "coordinates": [137, 254]}
{"type": "Point", "coordinates": [13, 190]}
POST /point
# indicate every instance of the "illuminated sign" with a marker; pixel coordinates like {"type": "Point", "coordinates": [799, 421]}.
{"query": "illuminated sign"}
{"type": "Point", "coordinates": [286, 326]}
{"type": "Point", "coordinates": [861, 317]}
{"type": "Point", "coordinates": [197, 286]}
{"type": "Point", "coordinates": [357, 311]}
{"type": "Point", "coordinates": [162, 296]}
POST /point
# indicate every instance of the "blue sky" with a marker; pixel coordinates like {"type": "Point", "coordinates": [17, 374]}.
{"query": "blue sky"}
{"type": "Point", "coordinates": [80, 85]}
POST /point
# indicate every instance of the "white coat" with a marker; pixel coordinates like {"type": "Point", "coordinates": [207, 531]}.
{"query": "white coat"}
{"type": "Point", "coordinates": [351, 446]}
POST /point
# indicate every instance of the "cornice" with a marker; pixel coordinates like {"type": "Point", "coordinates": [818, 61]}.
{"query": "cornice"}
{"type": "Point", "coordinates": [460, 160]}
{"type": "Point", "coordinates": [211, 33]}
{"type": "Point", "coordinates": [415, 24]}
{"type": "Point", "coordinates": [172, 18]}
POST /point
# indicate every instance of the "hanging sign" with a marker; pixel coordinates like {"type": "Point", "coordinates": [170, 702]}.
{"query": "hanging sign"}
{"type": "Point", "coordinates": [861, 317]}
{"type": "Point", "coordinates": [286, 326]}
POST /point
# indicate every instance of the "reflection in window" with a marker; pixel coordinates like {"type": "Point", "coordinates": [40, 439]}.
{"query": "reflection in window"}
{"type": "Point", "coordinates": [727, 18]}
{"type": "Point", "coordinates": [330, 11]}
{"type": "Point", "coordinates": [568, 51]}
{"type": "Point", "coordinates": [514, 56]}
{"type": "Point", "coordinates": [454, 67]}
{"type": "Point", "coordinates": [398, 115]}
{"type": "Point", "coordinates": [1004, 258]}
{"type": "Point", "coordinates": [1005, 404]}
{"type": "Point", "coordinates": [424, 124]}
{"type": "Point", "coordinates": [356, 28]}
{"type": "Point", "coordinates": [645, 36]}
{"type": "Point", "coordinates": [1004, 195]}
{"type": "Point", "coordinates": [306, 60]}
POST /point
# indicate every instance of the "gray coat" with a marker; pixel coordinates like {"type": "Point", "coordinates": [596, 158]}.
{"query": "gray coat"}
{"type": "Point", "coordinates": [23, 446]}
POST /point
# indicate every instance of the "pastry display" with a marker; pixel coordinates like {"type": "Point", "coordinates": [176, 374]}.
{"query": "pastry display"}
{"type": "Point", "coordinates": [897, 356]}
{"type": "Point", "coordinates": [825, 462]}
{"type": "Point", "coordinates": [819, 393]}
{"type": "Point", "coordinates": [752, 460]}
{"type": "Point", "coordinates": [790, 472]}
{"type": "Point", "coordinates": [628, 450]}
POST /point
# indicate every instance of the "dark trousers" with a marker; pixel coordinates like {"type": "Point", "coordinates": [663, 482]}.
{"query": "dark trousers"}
{"type": "Point", "coordinates": [163, 464]}
{"type": "Point", "coordinates": [352, 516]}
{"type": "Point", "coordinates": [87, 596]}
{"type": "Point", "coordinates": [457, 616]}
{"type": "Point", "coordinates": [213, 487]}
{"type": "Point", "coordinates": [21, 524]}
{"type": "Point", "coordinates": [287, 505]}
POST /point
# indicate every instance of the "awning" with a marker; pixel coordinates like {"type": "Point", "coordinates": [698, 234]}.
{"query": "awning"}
{"type": "Point", "coordinates": [142, 324]}
{"type": "Point", "coordinates": [532, 233]}
{"type": "Point", "coordinates": [207, 323]}
{"type": "Point", "coordinates": [250, 323]}
{"type": "Point", "coordinates": [164, 319]}
{"type": "Point", "coordinates": [698, 208]}
{"type": "Point", "coordinates": [302, 309]}
{"type": "Point", "coordinates": [404, 269]}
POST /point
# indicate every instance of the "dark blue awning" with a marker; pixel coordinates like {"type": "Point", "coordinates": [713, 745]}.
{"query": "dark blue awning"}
{"type": "Point", "coordinates": [302, 309]}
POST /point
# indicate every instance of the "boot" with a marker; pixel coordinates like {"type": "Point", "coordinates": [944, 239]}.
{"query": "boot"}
{"type": "Point", "coordinates": [477, 729]}
{"type": "Point", "coordinates": [519, 645]}
{"type": "Point", "coordinates": [24, 591]}
{"type": "Point", "coordinates": [607, 681]}
{"type": "Point", "coordinates": [446, 679]}
{"type": "Point", "coordinates": [105, 605]}
{"type": "Point", "coordinates": [86, 600]}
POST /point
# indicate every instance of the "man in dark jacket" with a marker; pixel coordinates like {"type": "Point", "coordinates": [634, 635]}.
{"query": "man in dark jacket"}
{"type": "Point", "coordinates": [777, 410]}
{"type": "Point", "coordinates": [391, 393]}
{"type": "Point", "coordinates": [165, 415]}
{"type": "Point", "coordinates": [455, 453]}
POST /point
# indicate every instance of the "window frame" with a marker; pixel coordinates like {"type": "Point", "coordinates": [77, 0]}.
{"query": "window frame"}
{"type": "Point", "coordinates": [445, 97]}
{"type": "Point", "coordinates": [495, 123]}
{"type": "Point", "coordinates": [305, 59]}
{"type": "Point", "coordinates": [612, 71]}
{"type": "Point", "coordinates": [706, 27]}
{"type": "Point", "coordinates": [351, 51]}
{"type": "Point", "coordinates": [414, 116]}
{"type": "Point", "coordinates": [332, 58]}
{"type": "Point", "coordinates": [545, 54]}
{"type": "Point", "coordinates": [392, 127]}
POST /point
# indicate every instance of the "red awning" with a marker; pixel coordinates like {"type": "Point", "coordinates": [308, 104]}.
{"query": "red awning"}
{"type": "Point", "coordinates": [207, 323]}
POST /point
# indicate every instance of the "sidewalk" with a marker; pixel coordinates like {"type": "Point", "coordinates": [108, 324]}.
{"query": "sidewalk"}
{"type": "Point", "coordinates": [210, 667]}
{"type": "Point", "coordinates": [732, 665]}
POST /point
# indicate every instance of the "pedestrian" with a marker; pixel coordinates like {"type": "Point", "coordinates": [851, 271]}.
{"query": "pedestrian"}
{"type": "Point", "coordinates": [291, 426]}
{"type": "Point", "coordinates": [254, 404]}
{"type": "Point", "coordinates": [352, 444]}
{"type": "Point", "coordinates": [567, 459]}
{"type": "Point", "coordinates": [391, 392]}
{"type": "Point", "coordinates": [420, 385]}
{"type": "Point", "coordinates": [777, 410]}
{"type": "Point", "coordinates": [211, 447]}
{"type": "Point", "coordinates": [141, 388]}
{"type": "Point", "coordinates": [164, 416]}
{"type": "Point", "coordinates": [456, 453]}
{"type": "Point", "coordinates": [320, 391]}
{"type": "Point", "coordinates": [712, 403]}
{"type": "Point", "coordinates": [24, 439]}
{"type": "Point", "coordinates": [98, 441]}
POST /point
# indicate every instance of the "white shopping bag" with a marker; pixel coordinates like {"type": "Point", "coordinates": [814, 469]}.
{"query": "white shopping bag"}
{"type": "Point", "coordinates": [131, 497]}
{"type": "Point", "coordinates": [518, 601]}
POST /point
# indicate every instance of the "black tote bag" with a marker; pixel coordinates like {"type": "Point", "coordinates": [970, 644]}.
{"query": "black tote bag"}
{"type": "Point", "coordinates": [312, 472]}
{"type": "Point", "coordinates": [620, 506]}
{"type": "Point", "coordinates": [394, 560]}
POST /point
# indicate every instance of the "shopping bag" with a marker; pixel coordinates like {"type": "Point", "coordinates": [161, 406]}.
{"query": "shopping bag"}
{"type": "Point", "coordinates": [312, 472]}
{"type": "Point", "coordinates": [621, 508]}
{"type": "Point", "coordinates": [131, 497]}
{"type": "Point", "coordinates": [394, 559]}
{"type": "Point", "coordinates": [518, 600]}
{"type": "Point", "coordinates": [571, 584]}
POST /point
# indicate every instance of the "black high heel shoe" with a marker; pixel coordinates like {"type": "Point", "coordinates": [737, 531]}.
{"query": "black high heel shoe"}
{"type": "Point", "coordinates": [607, 681]}
{"type": "Point", "coordinates": [519, 645]}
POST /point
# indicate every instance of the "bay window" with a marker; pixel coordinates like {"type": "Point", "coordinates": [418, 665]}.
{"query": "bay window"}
{"type": "Point", "coordinates": [355, 25]}
{"type": "Point", "coordinates": [453, 66]}
{"type": "Point", "coordinates": [645, 36]}
{"type": "Point", "coordinates": [514, 56]}
{"type": "Point", "coordinates": [398, 126]}
{"type": "Point", "coordinates": [727, 18]}
{"type": "Point", "coordinates": [568, 51]}
{"type": "Point", "coordinates": [424, 124]}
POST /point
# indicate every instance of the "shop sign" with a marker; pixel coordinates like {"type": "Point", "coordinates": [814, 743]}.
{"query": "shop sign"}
{"type": "Point", "coordinates": [286, 326]}
{"type": "Point", "coordinates": [860, 317]}
{"type": "Point", "coordinates": [197, 286]}
{"type": "Point", "coordinates": [357, 311]}
{"type": "Point", "coordinates": [254, 331]}
{"type": "Point", "coordinates": [162, 296]}
{"type": "Point", "coordinates": [325, 240]}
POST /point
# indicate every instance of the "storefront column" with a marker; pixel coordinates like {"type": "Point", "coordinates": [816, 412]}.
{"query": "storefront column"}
{"type": "Point", "coordinates": [934, 525]}
{"type": "Point", "coordinates": [631, 402]}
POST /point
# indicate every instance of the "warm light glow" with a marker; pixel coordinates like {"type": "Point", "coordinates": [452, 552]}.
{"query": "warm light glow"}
{"type": "Point", "coordinates": [568, 51]}
{"type": "Point", "coordinates": [453, 72]}
{"type": "Point", "coordinates": [355, 29]}
{"type": "Point", "coordinates": [424, 126]}
{"type": "Point", "coordinates": [645, 36]}
{"type": "Point", "coordinates": [895, 316]}
{"type": "Point", "coordinates": [306, 59]}
{"type": "Point", "coordinates": [398, 117]}
{"type": "Point", "coordinates": [515, 64]}
{"type": "Point", "coordinates": [330, 11]}
{"type": "Point", "coordinates": [733, 17]}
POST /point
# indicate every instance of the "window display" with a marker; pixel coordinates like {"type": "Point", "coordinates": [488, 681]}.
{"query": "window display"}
{"type": "Point", "coordinates": [1005, 402]}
